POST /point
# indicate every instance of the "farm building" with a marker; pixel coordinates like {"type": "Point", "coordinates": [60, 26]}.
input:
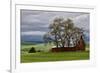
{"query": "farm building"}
{"type": "Point", "coordinates": [80, 46]}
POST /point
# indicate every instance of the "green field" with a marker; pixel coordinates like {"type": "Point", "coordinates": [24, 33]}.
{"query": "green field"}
{"type": "Point", "coordinates": [45, 55]}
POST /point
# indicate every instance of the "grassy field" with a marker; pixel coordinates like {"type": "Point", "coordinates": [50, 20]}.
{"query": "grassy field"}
{"type": "Point", "coordinates": [41, 47]}
{"type": "Point", "coordinates": [45, 54]}
{"type": "Point", "coordinates": [62, 56]}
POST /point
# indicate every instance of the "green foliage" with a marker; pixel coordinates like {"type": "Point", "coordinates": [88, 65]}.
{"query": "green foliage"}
{"type": "Point", "coordinates": [32, 50]}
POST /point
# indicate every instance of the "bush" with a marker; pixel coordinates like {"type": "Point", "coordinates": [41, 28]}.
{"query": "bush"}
{"type": "Point", "coordinates": [32, 50]}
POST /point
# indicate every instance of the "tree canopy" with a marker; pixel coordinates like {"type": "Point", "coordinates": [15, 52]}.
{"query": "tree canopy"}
{"type": "Point", "coordinates": [63, 33]}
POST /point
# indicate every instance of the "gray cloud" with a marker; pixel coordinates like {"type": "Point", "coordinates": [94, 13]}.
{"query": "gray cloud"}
{"type": "Point", "coordinates": [37, 22]}
{"type": "Point", "coordinates": [82, 21]}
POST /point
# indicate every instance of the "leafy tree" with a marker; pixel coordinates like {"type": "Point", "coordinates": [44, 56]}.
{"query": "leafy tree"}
{"type": "Point", "coordinates": [55, 30]}
{"type": "Point", "coordinates": [63, 33]}
{"type": "Point", "coordinates": [32, 50]}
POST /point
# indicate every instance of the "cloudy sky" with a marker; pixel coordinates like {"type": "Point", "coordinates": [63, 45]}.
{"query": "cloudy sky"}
{"type": "Point", "coordinates": [34, 24]}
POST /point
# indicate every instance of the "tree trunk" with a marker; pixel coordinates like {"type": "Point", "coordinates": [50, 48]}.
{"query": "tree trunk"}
{"type": "Point", "coordinates": [56, 41]}
{"type": "Point", "coordinates": [68, 42]}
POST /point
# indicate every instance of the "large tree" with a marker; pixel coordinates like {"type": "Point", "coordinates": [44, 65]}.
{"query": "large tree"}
{"type": "Point", "coordinates": [63, 33]}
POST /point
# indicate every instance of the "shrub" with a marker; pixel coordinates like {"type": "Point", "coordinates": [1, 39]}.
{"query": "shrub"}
{"type": "Point", "coordinates": [32, 50]}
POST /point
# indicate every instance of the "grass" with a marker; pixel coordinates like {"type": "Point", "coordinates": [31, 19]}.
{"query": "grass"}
{"type": "Point", "coordinates": [41, 47]}
{"type": "Point", "coordinates": [46, 56]}
{"type": "Point", "coordinates": [49, 56]}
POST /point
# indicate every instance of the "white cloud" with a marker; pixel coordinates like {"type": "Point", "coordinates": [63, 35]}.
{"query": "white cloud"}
{"type": "Point", "coordinates": [82, 21]}
{"type": "Point", "coordinates": [33, 33]}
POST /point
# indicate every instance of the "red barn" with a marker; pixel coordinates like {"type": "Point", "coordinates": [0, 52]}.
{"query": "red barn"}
{"type": "Point", "coordinates": [80, 46]}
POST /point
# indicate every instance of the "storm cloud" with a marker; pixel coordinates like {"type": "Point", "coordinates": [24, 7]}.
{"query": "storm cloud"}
{"type": "Point", "coordinates": [36, 22]}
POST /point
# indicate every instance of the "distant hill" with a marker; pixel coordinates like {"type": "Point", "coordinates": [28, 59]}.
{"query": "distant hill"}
{"type": "Point", "coordinates": [31, 42]}
{"type": "Point", "coordinates": [37, 40]}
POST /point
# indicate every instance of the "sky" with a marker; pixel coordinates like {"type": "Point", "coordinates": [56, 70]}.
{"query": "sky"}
{"type": "Point", "coordinates": [34, 23]}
